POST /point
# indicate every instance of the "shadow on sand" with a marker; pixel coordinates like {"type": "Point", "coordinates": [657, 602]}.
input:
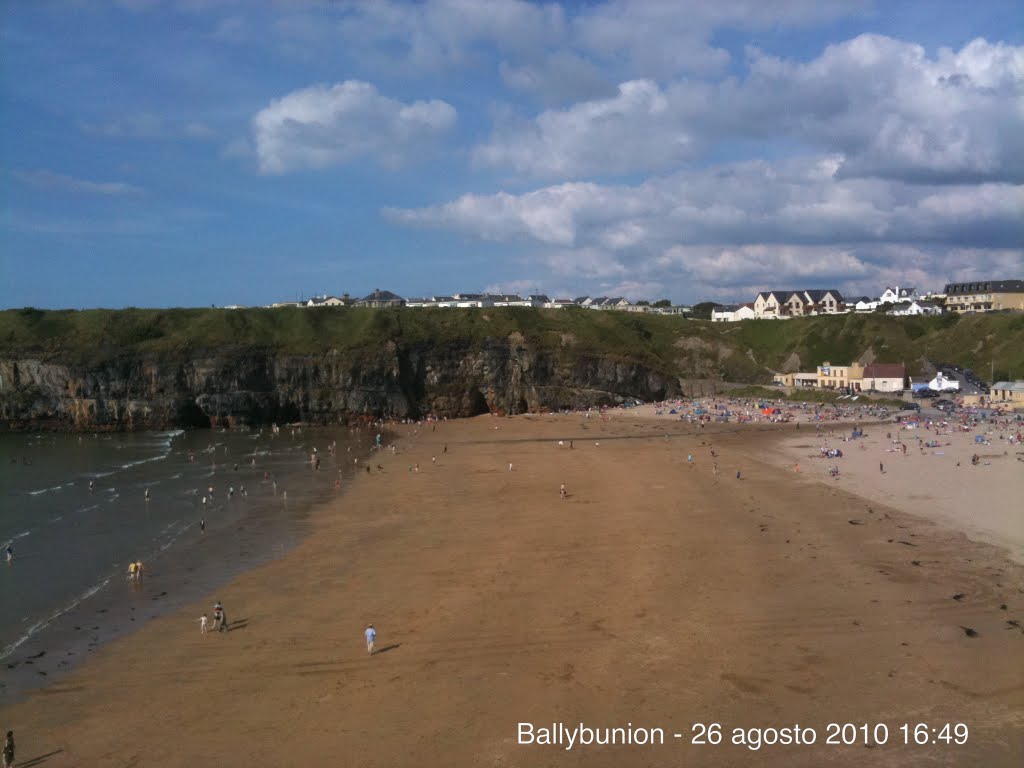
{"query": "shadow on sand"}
{"type": "Point", "coordinates": [39, 760]}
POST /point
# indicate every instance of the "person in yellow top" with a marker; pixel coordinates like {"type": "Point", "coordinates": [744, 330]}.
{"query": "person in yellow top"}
{"type": "Point", "coordinates": [131, 571]}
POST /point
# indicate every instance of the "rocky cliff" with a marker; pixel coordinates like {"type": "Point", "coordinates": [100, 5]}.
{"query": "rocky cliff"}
{"type": "Point", "coordinates": [155, 368]}
{"type": "Point", "coordinates": [243, 385]}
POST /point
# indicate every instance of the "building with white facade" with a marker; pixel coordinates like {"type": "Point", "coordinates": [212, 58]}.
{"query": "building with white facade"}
{"type": "Point", "coordinates": [893, 295]}
{"type": "Point", "coordinates": [916, 307]}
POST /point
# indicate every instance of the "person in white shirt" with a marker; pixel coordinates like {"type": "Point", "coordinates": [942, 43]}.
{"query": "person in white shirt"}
{"type": "Point", "coordinates": [371, 635]}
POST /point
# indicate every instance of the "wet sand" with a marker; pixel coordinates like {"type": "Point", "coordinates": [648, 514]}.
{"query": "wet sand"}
{"type": "Point", "coordinates": [658, 593]}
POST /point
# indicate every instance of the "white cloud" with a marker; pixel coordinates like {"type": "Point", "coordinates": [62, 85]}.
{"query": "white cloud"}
{"type": "Point", "coordinates": [634, 130]}
{"type": "Point", "coordinates": [882, 105]}
{"type": "Point", "coordinates": [49, 180]}
{"type": "Point", "coordinates": [557, 78]}
{"type": "Point", "coordinates": [650, 38]}
{"type": "Point", "coordinates": [433, 36]}
{"type": "Point", "coordinates": [795, 221]}
{"type": "Point", "coordinates": [322, 126]}
{"type": "Point", "coordinates": [892, 110]}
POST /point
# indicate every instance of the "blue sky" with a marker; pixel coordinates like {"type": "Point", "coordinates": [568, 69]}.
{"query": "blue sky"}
{"type": "Point", "coordinates": [198, 152]}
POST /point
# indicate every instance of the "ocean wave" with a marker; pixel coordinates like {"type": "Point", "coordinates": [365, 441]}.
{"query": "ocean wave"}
{"type": "Point", "coordinates": [45, 490]}
{"type": "Point", "coordinates": [43, 623]}
{"type": "Point", "coordinates": [14, 538]}
{"type": "Point", "coordinates": [165, 546]}
{"type": "Point", "coordinates": [131, 464]}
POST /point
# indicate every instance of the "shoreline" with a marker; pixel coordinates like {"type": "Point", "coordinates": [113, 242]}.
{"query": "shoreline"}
{"type": "Point", "coordinates": [655, 588]}
{"type": "Point", "coordinates": [106, 612]}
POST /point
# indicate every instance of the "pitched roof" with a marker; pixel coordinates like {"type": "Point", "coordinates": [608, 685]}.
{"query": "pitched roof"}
{"type": "Point", "coordinates": [379, 295]}
{"type": "Point", "coordinates": [817, 295]}
{"type": "Point", "coordinates": [884, 371]}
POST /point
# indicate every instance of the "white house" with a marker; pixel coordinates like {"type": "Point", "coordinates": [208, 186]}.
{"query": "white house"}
{"type": "Point", "coordinates": [942, 384]}
{"type": "Point", "coordinates": [470, 300]}
{"type": "Point", "coordinates": [893, 295]}
{"type": "Point", "coordinates": [771, 303]}
{"type": "Point", "coordinates": [559, 304]}
{"type": "Point", "coordinates": [884, 377]}
{"type": "Point", "coordinates": [328, 301]}
{"type": "Point", "coordinates": [862, 304]}
{"type": "Point", "coordinates": [508, 300]}
{"type": "Point", "coordinates": [733, 313]}
{"type": "Point", "coordinates": [916, 307]}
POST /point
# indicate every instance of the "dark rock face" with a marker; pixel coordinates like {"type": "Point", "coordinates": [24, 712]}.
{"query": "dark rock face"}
{"type": "Point", "coordinates": [253, 386]}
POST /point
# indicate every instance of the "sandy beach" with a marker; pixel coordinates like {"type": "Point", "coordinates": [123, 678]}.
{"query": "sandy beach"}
{"type": "Point", "coordinates": [664, 592]}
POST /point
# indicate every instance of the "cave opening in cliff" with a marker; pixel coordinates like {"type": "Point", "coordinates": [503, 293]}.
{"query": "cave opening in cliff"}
{"type": "Point", "coordinates": [478, 403]}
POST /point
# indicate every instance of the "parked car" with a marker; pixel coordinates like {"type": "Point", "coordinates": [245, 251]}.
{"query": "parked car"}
{"type": "Point", "coordinates": [945, 406]}
{"type": "Point", "coordinates": [911, 407]}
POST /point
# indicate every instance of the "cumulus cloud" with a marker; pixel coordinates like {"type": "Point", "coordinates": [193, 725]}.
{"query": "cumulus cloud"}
{"type": "Point", "coordinates": [893, 111]}
{"type": "Point", "coordinates": [322, 126]}
{"type": "Point", "coordinates": [803, 200]}
{"type": "Point", "coordinates": [633, 130]}
{"type": "Point", "coordinates": [439, 34]}
{"type": "Point", "coordinates": [49, 180]}
{"type": "Point", "coordinates": [652, 38]}
{"type": "Point", "coordinates": [557, 78]}
{"type": "Point", "coordinates": [883, 105]}
{"type": "Point", "coordinates": [742, 224]}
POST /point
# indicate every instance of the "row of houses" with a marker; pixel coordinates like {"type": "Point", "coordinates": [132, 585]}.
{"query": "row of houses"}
{"type": "Point", "coordinates": [855, 377]}
{"type": "Point", "coordinates": [779, 305]}
{"type": "Point", "coordinates": [984, 296]}
{"type": "Point", "coordinates": [380, 298]}
{"type": "Point", "coordinates": [775, 305]}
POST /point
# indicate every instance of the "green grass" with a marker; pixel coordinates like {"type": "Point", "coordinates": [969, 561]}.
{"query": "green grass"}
{"type": "Point", "coordinates": [740, 352]}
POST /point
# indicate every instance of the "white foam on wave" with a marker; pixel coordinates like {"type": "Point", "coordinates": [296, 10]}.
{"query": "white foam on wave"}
{"type": "Point", "coordinates": [14, 538]}
{"type": "Point", "coordinates": [45, 490]}
{"type": "Point", "coordinates": [164, 547]}
{"type": "Point", "coordinates": [131, 464]}
{"type": "Point", "coordinates": [43, 623]}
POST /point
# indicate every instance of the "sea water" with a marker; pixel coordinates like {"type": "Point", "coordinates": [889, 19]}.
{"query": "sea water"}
{"type": "Point", "coordinates": [73, 510]}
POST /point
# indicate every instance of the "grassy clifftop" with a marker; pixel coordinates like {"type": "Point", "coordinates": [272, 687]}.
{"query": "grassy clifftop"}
{"type": "Point", "coordinates": [745, 351]}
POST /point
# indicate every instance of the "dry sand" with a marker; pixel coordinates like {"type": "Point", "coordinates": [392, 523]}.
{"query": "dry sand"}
{"type": "Point", "coordinates": [658, 594]}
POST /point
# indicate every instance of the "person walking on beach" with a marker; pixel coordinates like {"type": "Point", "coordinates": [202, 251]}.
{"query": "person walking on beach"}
{"type": "Point", "coordinates": [562, 492]}
{"type": "Point", "coordinates": [10, 553]}
{"type": "Point", "coordinates": [203, 621]}
{"type": "Point", "coordinates": [881, 468]}
{"type": "Point", "coordinates": [138, 570]}
{"type": "Point", "coordinates": [131, 571]}
{"type": "Point", "coordinates": [202, 525]}
{"type": "Point", "coordinates": [371, 636]}
{"type": "Point", "coordinates": [9, 750]}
